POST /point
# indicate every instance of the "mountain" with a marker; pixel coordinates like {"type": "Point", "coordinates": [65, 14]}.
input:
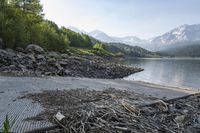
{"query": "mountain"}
{"type": "Point", "coordinates": [102, 36]}
{"type": "Point", "coordinates": [76, 30]}
{"type": "Point", "coordinates": [129, 51]}
{"type": "Point", "coordinates": [185, 34]}
{"type": "Point", "coordinates": [129, 40]}
{"type": "Point", "coordinates": [179, 38]}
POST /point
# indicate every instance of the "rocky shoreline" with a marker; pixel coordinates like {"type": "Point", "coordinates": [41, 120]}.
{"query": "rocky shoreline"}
{"type": "Point", "coordinates": [34, 61]}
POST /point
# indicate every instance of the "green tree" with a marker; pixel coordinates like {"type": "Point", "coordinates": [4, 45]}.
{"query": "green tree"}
{"type": "Point", "coordinates": [28, 6]}
{"type": "Point", "coordinates": [22, 23]}
{"type": "Point", "coordinates": [99, 46]}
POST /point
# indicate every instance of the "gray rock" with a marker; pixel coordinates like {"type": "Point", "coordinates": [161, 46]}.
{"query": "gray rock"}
{"type": "Point", "coordinates": [40, 58]}
{"type": "Point", "coordinates": [3, 53]}
{"type": "Point", "coordinates": [34, 49]}
{"type": "Point", "coordinates": [22, 68]}
{"type": "Point", "coordinates": [54, 55]}
{"type": "Point", "coordinates": [63, 62]}
{"type": "Point", "coordinates": [30, 57]}
{"type": "Point", "coordinates": [180, 119]}
{"type": "Point", "coordinates": [64, 56]}
{"type": "Point", "coordinates": [11, 53]}
{"type": "Point", "coordinates": [58, 66]}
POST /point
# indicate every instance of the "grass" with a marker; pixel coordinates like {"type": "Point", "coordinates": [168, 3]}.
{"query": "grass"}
{"type": "Point", "coordinates": [6, 125]}
{"type": "Point", "coordinates": [84, 51]}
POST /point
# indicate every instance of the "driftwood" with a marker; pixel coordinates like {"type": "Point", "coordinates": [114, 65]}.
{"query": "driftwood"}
{"type": "Point", "coordinates": [116, 111]}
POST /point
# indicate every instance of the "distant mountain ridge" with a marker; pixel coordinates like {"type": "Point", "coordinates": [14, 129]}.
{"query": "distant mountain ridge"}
{"type": "Point", "coordinates": [102, 36]}
{"type": "Point", "coordinates": [184, 35]}
{"type": "Point", "coordinates": [180, 34]}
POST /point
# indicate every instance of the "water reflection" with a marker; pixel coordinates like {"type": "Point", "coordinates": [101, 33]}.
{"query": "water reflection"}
{"type": "Point", "coordinates": [173, 72]}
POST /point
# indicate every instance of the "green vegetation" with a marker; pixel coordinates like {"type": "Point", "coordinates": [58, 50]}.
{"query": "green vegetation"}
{"type": "Point", "coordinates": [6, 125]}
{"type": "Point", "coordinates": [22, 23]}
{"type": "Point", "coordinates": [120, 49]}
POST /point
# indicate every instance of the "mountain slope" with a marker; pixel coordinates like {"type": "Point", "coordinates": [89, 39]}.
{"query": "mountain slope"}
{"type": "Point", "coordinates": [129, 40]}
{"type": "Point", "coordinates": [97, 34]}
{"type": "Point", "coordinates": [125, 50]}
{"type": "Point", "coordinates": [180, 34]}
{"type": "Point", "coordinates": [129, 51]}
{"type": "Point", "coordinates": [180, 38]}
{"type": "Point", "coordinates": [185, 35]}
{"type": "Point", "coordinates": [100, 35]}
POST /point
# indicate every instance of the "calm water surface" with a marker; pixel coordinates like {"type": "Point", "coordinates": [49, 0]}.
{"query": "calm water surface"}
{"type": "Point", "coordinates": [172, 72]}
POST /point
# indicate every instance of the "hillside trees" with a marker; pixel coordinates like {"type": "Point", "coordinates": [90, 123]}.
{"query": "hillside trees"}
{"type": "Point", "coordinates": [22, 23]}
{"type": "Point", "coordinates": [76, 39]}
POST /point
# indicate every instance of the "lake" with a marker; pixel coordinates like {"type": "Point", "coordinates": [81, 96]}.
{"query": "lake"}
{"type": "Point", "coordinates": [171, 72]}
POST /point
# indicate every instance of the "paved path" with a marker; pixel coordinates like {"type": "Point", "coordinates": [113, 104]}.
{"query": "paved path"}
{"type": "Point", "coordinates": [19, 109]}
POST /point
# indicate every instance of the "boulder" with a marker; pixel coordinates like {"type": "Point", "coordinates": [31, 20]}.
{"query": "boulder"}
{"type": "Point", "coordinates": [180, 119]}
{"type": "Point", "coordinates": [54, 55]}
{"type": "Point", "coordinates": [64, 56]}
{"type": "Point", "coordinates": [40, 58]}
{"type": "Point", "coordinates": [34, 49]}
{"type": "Point", "coordinates": [3, 53]}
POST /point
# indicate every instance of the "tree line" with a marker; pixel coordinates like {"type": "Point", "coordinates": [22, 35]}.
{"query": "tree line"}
{"type": "Point", "coordinates": [22, 22]}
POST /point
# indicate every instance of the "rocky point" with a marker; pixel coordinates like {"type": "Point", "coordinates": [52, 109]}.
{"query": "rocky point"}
{"type": "Point", "coordinates": [34, 61]}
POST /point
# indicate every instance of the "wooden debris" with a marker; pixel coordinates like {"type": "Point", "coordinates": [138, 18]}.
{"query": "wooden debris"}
{"type": "Point", "coordinates": [116, 111]}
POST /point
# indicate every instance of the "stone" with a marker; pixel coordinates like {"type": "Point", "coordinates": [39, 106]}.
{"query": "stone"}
{"type": "Point", "coordinates": [63, 63]}
{"type": "Point", "coordinates": [198, 119]}
{"type": "Point", "coordinates": [185, 111]}
{"type": "Point", "coordinates": [35, 61]}
{"type": "Point", "coordinates": [34, 49]}
{"type": "Point", "coordinates": [10, 53]}
{"type": "Point", "coordinates": [3, 53]}
{"type": "Point", "coordinates": [180, 118]}
{"type": "Point", "coordinates": [40, 58]}
{"type": "Point", "coordinates": [22, 67]}
{"type": "Point", "coordinates": [54, 55]}
{"type": "Point", "coordinates": [64, 56]}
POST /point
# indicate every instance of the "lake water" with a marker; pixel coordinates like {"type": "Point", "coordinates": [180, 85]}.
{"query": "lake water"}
{"type": "Point", "coordinates": [171, 72]}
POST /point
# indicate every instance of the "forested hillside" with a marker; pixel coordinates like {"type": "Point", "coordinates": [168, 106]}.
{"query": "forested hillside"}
{"type": "Point", "coordinates": [129, 51]}
{"type": "Point", "coordinates": [22, 22]}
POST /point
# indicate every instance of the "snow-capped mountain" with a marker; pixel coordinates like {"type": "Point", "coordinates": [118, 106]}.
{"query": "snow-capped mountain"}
{"type": "Point", "coordinates": [100, 35]}
{"type": "Point", "coordinates": [130, 40]}
{"type": "Point", "coordinates": [97, 34]}
{"type": "Point", "coordinates": [182, 35]}
{"type": "Point", "coordinates": [185, 34]}
{"type": "Point", "coordinates": [76, 30]}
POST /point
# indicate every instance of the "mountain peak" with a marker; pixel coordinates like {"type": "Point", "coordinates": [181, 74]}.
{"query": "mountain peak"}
{"type": "Point", "coordinates": [180, 34]}
{"type": "Point", "coordinates": [97, 31]}
{"type": "Point", "coordinates": [75, 29]}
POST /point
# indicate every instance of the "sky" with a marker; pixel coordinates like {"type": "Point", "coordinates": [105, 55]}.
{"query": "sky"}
{"type": "Point", "coordinates": [141, 18]}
